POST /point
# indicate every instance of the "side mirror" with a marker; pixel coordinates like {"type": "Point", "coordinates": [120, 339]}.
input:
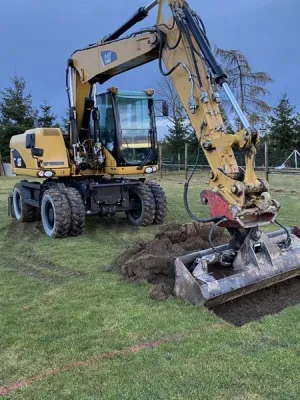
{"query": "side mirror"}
{"type": "Point", "coordinates": [30, 141]}
{"type": "Point", "coordinates": [162, 107]}
{"type": "Point", "coordinates": [165, 109]}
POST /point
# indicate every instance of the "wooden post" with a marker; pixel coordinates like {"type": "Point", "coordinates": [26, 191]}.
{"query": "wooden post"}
{"type": "Point", "coordinates": [160, 161]}
{"type": "Point", "coordinates": [267, 159]}
{"type": "Point", "coordinates": [186, 169]}
{"type": "Point", "coordinates": [2, 169]}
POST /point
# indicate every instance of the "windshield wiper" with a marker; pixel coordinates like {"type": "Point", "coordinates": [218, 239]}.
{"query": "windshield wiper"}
{"type": "Point", "coordinates": [148, 158]}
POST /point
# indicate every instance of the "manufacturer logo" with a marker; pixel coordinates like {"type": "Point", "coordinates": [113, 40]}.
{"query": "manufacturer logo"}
{"type": "Point", "coordinates": [108, 57]}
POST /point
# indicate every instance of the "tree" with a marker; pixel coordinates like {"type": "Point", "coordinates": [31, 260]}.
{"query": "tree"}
{"type": "Point", "coordinates": [176, 139]}
{"type": "Point", "coordinates": [47, 119]}
{"type": "Point", "coordinates": [16, 113]}
{"type": "Point", "coordinates": [65, 121]}
{"type": "Point", "coordinates": [297, 129]}
{"type": "Point", "coordinates": [249, 87]}
{"type": "Point", "coordinates": [284, 130]}
{"type": "Point", "coordinates": [16, 106]}
{"type": "Point", "coordinates": [168, 93]}
{"type": "Point", "coordinates": [179, 125]}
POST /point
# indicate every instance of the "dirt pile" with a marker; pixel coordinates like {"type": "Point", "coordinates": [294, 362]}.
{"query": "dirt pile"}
{"type": "Point", "coordinates": [154, 261]}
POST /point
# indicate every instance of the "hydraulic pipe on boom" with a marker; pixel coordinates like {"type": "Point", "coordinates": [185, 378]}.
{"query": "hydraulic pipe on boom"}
{"type": "Point", "coordinates": [221, 77]}
{"type": "Point", "coordinates": [138, 16]}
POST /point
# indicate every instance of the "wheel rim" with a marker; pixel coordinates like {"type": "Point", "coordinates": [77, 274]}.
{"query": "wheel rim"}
{"type": "Point", "coordinates": [49, 215]}
{"type": "Point", "coordinates": [138, 207]}
{"type": "Point", "coordinates": [17, 203]}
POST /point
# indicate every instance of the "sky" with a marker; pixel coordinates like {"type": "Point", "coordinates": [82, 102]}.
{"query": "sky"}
{"type": "Point", "coordinates": [38, 36]}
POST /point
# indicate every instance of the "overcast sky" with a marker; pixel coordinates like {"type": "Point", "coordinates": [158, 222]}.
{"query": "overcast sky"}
{"type": "Point", "coordinates": [38, 36]}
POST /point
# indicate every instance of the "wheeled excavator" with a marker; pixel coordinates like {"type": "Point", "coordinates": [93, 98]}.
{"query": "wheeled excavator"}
{"type": "Point", "coordinates": [113, 135]}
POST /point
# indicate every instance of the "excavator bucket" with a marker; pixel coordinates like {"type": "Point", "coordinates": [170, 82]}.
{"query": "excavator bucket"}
{"type": "Point", "coordinates": [214, 276]}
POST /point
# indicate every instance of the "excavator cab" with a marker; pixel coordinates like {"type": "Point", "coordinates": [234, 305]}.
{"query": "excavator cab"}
{"type": "Point", "coordinates": [127, 126]}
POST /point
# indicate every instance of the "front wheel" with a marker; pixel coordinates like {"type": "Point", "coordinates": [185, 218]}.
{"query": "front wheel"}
{"type": "Point", "coordinates": [56, 214]}
{"type": "Point", "coordinates": [142, 199]}
{"type": "Point", "coordinates": [21, 211]}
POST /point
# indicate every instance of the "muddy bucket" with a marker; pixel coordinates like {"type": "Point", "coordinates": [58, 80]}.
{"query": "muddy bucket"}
{"type": "Point", "coordinates": [203, 278]}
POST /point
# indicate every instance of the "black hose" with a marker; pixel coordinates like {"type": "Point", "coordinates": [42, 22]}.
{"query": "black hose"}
{"type": "Point", "coordinates": [190, 42]}
{"type": "Point", "coordinates": [211, 232]}
{"type": "Point", "coordinates": [68, 87]}
{"type": "Point", "coordinates": [185, 197]}
{"type": "Point", "coordinates": [289, 238]}
{"type": "Point", "coordinates": [201, 24]}
{"type": "Point", "coordinates": [161, 46]}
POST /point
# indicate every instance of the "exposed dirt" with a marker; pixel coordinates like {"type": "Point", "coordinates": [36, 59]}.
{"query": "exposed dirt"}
{"type": "Point", "coordinates": [278, 190]}
{"type": "Point", "coordinates": [256, 305]}
{"type": "Point", "coordinates": [154, 261]}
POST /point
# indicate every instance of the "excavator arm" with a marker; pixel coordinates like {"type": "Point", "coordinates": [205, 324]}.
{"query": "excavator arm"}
{"type": "Point", "coordinates": [236, 195]}
{"type": "Point", "coordinates": [179, 41]}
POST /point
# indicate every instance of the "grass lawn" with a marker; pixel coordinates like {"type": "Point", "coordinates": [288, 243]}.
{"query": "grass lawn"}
{"type": "Point", "coordinates": [70, 330]}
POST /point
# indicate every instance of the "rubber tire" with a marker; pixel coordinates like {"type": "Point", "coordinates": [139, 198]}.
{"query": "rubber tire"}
{"type": "Point", "coordinates": [24, 213]}
{"type": "Point", "coordinates": [77, 211]}
{"type": "Point", "coordinates": [145, 195]}
{"type": "Point", "coordinates": [62, 213]}
{"type": "Point", "coordinates": [160, 201]}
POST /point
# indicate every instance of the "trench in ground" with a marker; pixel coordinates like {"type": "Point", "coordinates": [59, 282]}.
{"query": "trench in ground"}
{"type": "Point", "coordinates": [154, 262]}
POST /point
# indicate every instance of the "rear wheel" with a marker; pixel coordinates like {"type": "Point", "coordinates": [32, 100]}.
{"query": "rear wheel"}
{"type": "Point", "coordinates": [77, 211]}
{"type": "Point", "coordinates": [143, 200]}
{"type": "Point", "coordinates": [56, 213]}
{"type": "Point", "coordinates": [160, 201]}
{"type": "Point", "coordinates": [23, 212]}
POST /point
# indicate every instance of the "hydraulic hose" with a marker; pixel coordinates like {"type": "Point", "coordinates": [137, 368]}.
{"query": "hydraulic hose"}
{"type": "Point", "coordinates": [185, 197]}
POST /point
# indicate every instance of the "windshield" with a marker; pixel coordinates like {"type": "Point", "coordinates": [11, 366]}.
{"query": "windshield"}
{"type": "Point", "coordinates": [136, 128]}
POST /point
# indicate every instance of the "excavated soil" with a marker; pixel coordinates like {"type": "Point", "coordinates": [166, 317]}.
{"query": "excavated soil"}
{"type": "Point", "coordinates": [154, 262]}
{"type": "Point", "coordinates": [256, 305]}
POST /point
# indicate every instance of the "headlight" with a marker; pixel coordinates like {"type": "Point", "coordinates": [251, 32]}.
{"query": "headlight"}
{"type": "Point", "coordinates": [48, 174]}
{"type": "Point", "coordinates": [41, 174]}
{"type": "Point", "coordinates": [148, 170]}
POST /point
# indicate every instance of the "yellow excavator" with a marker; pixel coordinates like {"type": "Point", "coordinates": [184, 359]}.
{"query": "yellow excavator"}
{"type": "Point", "coordinates": [113, 137]}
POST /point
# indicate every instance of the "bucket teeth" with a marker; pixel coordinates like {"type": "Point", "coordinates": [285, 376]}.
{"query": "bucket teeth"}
{"type": "Point", "coordinates": [213, 277]}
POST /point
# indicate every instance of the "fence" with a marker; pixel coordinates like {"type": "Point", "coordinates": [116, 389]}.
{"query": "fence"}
{"type": "Point", "coordinates": [269, 160]}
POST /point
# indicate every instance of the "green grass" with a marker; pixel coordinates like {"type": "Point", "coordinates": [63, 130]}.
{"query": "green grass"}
{"type": "Point", "coordinates": [58, 306]}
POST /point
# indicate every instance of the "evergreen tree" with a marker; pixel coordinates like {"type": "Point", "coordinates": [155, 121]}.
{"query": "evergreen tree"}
{"type": "Point", "coordinates": [16, 113]}
{"type": "Point", "coordinates": [176, 139]}
{"type": "Point", "coordinates": [16, 106]}
{"type": "Point", "coordinates": [47, 119]}
{"type": "Point", "coordinates": [297, 130]}
{"type": "Point", "coordinates": [283, 131]}
{"type": "Point", "coordinates": [65, 121]}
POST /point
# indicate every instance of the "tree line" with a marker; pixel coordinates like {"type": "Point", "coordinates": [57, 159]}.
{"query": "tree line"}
{"type": "Point", "coordinates": [17, 113]}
